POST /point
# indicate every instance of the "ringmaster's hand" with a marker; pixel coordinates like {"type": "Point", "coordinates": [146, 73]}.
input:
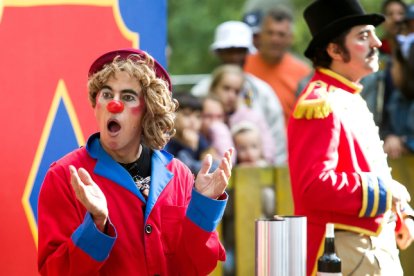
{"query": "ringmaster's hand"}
{"type": "Point", "coordinates": [90, 195]}
{"type": "Point", "coordinates": [212, 185]}
{"type": "Point", "coordinates": [405, 235]}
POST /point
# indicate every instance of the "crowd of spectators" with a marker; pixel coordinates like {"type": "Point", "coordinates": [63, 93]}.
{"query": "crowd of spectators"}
{"type": "Point", "coordinates": [260, 78]}
{"type": "Point", "coordinates": [389, 92]}
{"type": "Point", "coordinates": [246, 102]}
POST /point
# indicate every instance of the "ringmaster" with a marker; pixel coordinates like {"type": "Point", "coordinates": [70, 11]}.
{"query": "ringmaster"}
{"type": "Point", "coordinates": [339, 172]}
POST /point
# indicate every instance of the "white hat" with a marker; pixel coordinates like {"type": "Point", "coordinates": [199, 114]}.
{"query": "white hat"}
{"type": "Point", "coordinates": [232, 34]}
{"type": "Point", "coordinates": [243, 126]}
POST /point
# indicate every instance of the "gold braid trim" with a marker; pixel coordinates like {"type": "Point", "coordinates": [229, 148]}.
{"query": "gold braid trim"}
{"type": "Point", "coordinates": [319, 108]}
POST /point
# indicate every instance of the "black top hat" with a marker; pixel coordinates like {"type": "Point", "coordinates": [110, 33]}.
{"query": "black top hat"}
{"type": "Point", "coordinates": [329, 18]}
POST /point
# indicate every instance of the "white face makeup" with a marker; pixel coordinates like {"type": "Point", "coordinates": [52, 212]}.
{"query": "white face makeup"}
{"type": "Point", "coordinates": [119, 111]}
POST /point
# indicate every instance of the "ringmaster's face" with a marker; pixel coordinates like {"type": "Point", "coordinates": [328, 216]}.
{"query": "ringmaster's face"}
{"type": "Point", "coordinates": [119, 111]}
{"type": "Point", "coordinates": [362, 44]}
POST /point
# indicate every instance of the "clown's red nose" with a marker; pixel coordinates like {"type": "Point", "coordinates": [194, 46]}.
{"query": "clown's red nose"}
{"type": "Point", "coordinates": [115, 106]}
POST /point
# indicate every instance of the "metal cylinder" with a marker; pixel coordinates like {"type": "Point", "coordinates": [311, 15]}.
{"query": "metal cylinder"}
{"type": "Point", "coordinates": [281, 246]}
{"type": "Point", "coordinates": [296, 229]}
{"type": "Point", "coordinates": [271, 247]}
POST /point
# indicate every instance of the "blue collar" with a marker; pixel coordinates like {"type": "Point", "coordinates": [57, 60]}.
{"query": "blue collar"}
{"type": "Point", "coordinates": [107, 167]}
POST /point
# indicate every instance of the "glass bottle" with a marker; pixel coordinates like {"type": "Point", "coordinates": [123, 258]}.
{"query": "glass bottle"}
{"type": "Point", "coordinates": [329, 263]}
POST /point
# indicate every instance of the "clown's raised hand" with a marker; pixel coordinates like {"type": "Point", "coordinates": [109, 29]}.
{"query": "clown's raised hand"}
{"type": "Point", "coordinates": [90, 195]}
{"type": "Point", "coordinates": [213, 185]}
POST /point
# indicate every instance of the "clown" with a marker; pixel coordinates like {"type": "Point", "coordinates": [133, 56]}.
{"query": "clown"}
{"type": "Point", "coordinates": [121, 205]}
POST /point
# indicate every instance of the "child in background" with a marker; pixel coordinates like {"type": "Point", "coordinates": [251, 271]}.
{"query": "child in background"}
{"type": "Point", "coordinates": [227, 84]}
{"type": "Point", "coordinates": [214, 128]}
{"type": "Point", "coordinates": [248, 146]}
{"type": "Point", "coordinates": [247, 142]}
{"type": "Point", "coordinates": [188, 144]}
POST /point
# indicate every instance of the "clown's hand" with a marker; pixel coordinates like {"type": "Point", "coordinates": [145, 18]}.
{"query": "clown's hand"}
{"type": "Point", "coordinates": [90, 195]}
{"type": "Point", "coordinates": [213, 185]}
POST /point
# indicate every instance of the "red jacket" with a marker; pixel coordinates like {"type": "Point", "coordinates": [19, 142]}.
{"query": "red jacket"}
{"type": "Point", "coordinates": [338, 169]}
{"type": "Point", "coordinates": [173, 233]}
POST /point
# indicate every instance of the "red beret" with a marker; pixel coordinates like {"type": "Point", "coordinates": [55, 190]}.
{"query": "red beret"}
{"type": "Point", "coordinates": [106, 58]}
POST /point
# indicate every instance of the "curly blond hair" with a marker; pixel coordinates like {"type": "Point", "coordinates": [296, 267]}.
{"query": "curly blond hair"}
{"type": "Point", "coordinates": [158, 120]}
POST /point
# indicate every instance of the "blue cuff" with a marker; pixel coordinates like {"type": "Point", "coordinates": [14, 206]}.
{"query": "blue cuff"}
{"type": "Point", "coordinates": [382, 205]}
{"type": "Point", "coordinates": [371, 195]}
{"type": "Point", "coordinates": [205, 212]}
{"type": "Point", "coordinates": [92, 241]}
{"type": "Point", "coordinates": [375, 196]}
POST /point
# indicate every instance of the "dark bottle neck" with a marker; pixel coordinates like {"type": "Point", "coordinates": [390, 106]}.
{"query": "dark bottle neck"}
{"type": "Point", "coordinates": [329, 262]}
{"type": "Point", "coordinates": [329, 245]}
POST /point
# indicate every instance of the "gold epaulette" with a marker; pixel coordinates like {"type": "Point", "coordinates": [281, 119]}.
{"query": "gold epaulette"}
{"type": "Point", "coordinates": [316, 107]}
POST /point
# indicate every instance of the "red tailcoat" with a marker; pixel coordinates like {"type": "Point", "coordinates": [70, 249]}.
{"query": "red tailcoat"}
{"type": "Point", "coordinates": [338, 169]}
{"type": "Point", "coordinates": [171, 233]}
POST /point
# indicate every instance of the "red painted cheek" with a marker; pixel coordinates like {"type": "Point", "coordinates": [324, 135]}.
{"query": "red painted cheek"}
{"type": "Point", "coordinates": [138, 109]}
{"type": "Point", "coordinates": [360, 48]}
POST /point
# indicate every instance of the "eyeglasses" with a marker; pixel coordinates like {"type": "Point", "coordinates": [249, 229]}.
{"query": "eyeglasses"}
{"type": "Point", "coordinates": [212, 116]}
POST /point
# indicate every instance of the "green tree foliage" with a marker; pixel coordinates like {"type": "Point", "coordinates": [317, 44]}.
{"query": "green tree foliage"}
{"type": "Point", "coordinates": [191, 27]}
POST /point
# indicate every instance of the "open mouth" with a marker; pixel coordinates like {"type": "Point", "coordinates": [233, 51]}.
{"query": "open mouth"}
{"type": "Point", "coordinates": [113, 126]}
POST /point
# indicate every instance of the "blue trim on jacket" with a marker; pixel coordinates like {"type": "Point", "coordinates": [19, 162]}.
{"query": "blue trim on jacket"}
{"type": "Point", "coordinates": [92, 241]}
{"type": "Point", "coordinates": [382, 205]}
{"type": "Point", "coordinates": [205, 212]}
{"type": "Point", "coordinates": [159, 161]}
{"type": "Point", "coordinates": [370, 202]}
{"type": "Point", "coordinates": [107, 167]}
{"type": "Point", "coordinates": [376, 196]}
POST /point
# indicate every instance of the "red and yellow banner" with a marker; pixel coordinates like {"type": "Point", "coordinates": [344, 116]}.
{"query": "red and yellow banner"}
{"type": "Point", "coordinates": [46, 48]}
